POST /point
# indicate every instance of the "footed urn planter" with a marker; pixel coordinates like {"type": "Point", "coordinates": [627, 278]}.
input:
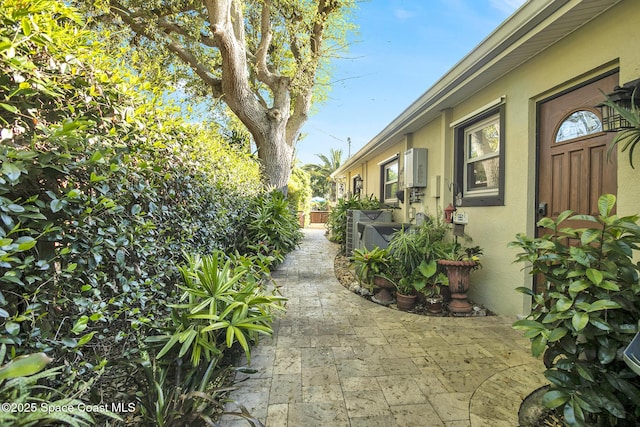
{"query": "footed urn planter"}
{"type": "Point", "coordinates": [458, 274]}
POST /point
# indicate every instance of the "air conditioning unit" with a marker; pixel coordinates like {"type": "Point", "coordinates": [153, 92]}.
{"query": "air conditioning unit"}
{"type": "Point", "coordinates": [358, 216]}
{"type": "Point", "coordinates": [379, 234]}
{"type": "Point", "coordinates": [415, 167]}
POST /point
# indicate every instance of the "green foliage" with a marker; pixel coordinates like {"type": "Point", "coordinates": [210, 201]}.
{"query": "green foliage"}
{"type": "Point", "coordinates": [320, 205]}
{"type": "Point", "coordinates": [283, 46]}
{"type": "Point", "coordinates": [321, 182]}
{"type": "Point", "coordinates": [410, 248]}
{"type": "Point", "coordinates": [101, 190]}
{"type": "Point", "coordinates": [587, 314]}
{"type": "Point", "coordinates": [299, 194]}
{"type": "Point", "coordinates": [369, 263]}
{"type": "Point", "coordinates": [219, 303]}
{"type": "Point", "coordinates": [180, 394]}
{"type": "Point", "coordinates": [30, 404]}
{"type": "Point", "coordinates": [272, 229]}
{"type": "Point", "coordinates": [299, 191]}
{"type": "Point", "coordinates": [630, 137]}
{"type": "Point", "coordinates": [337, 220]}
{"type": "Point", "coordinates": [428, 280]}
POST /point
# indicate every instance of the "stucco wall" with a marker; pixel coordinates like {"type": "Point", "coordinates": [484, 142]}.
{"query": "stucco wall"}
{"type": "Point", "coordinates": [602, 45]}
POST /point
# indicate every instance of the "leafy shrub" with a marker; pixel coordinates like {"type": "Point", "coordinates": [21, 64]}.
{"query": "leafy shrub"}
{"type": "Point", "coordinates": [299, 194]}
{"type": "Point", "coordinates": [319, 205]}
{"type": "Point", "coordinates": [33, 404]}
{"type": "Point", "coordinates": [272, 229]}
{"type": "Point", "coordinates": [337, 220]}
{"type": "Point", "coordinates": [587, 314]}
{"type": "Point", "coordinates": [220, 303]}
{"type": "Point", "coordinates": [101, 190]}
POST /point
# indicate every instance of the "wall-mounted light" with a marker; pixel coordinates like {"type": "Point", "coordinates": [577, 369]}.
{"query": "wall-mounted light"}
{"type": "Point", "coordinates": [623, 97]}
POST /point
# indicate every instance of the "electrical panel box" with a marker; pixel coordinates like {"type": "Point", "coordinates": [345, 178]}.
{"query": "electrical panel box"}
{"type": "Point", "coordinates": [460, 218]}
{"type": "Point", "coordinates": [415, 167]}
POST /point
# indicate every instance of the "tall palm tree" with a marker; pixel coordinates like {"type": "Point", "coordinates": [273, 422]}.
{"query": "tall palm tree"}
{"type": "Point", "coordinates": [321, 182]}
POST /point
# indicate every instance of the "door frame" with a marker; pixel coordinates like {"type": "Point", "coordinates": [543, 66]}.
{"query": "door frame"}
{"type": "Point", "coordinates": [539, 142]}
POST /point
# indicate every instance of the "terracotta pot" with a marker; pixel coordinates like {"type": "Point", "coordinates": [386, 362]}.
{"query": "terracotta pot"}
{"type": "Point", "coordinates": [383, 282]}
{"type": "Point", "coordinates": [434, 304]}
{"type": "Point", "coordinates": [383, 286]}
{"type": "Point", "coordinates": [405, 302]}
{"type": "Point", "coordinates": [458, 274]}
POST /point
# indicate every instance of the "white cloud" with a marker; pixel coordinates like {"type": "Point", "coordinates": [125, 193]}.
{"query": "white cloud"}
{"type": "Point", "coordinates": [403, 14]}
{"type": "Point", "coordinates": [508, 6]}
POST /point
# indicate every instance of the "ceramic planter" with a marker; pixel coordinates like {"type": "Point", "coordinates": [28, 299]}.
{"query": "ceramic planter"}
{"type": "Point", "coordinates": [458, 274]}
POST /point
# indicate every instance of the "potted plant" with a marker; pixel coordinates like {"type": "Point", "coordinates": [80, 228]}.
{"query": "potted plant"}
{"type": "Point", "coordinates": [587, 314]}
{"type": "Point", "coordinates": [405, 254]}
{"type": "Point", "coordinates": [406, 293]}
{"type": "Point", "coordinates": [412, 254]}
{"type": "Point", "coordinates": [459, 262]}
{"type": "Point", "coordinates": [370, 263]}
{"type": "Point", "coordinates": [430, 286]}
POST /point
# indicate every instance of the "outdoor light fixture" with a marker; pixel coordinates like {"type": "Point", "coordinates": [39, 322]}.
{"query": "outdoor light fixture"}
{"type": "Point", "coordinates": [358, 184]}
{"type": "Point", "coordinates": [623, 96]}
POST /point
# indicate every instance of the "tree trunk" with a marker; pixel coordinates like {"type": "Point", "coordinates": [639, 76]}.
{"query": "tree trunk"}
{"type": "Point", "coordinates": [271, 100]}
{"type": "Point", "coordinates": [276, 155]}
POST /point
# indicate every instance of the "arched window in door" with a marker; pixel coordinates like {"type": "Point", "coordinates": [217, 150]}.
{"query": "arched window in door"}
{"type": "Point", "coordinates": [577, 125]}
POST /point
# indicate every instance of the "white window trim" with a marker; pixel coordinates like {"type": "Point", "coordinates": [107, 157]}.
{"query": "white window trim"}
{"type": "Point", "coordinates": [479, 111]}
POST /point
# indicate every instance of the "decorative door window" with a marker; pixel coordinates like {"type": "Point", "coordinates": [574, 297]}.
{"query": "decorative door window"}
{"type": "Point", "coordinates": [579, 124]}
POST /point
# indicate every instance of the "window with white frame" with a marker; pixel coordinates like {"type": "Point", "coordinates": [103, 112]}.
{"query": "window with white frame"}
{"type": "Point", "coordinates": [480, 159]}
{"type": "Point", "coordinates": [390, 184]}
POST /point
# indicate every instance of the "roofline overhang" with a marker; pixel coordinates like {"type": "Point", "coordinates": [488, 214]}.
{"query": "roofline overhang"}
{"type": "Point", "coordinates": [535, 26]}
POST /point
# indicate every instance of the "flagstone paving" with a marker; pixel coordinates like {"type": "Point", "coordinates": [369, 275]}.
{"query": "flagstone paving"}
{"type": "Point", "coordinates": [337, 359]}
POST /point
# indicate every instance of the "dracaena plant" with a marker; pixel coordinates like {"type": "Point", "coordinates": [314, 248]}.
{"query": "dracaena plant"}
{"type": "Point", "coordinates": [220, 304]}
{"type": "Point", "coordinates": [587, 313]}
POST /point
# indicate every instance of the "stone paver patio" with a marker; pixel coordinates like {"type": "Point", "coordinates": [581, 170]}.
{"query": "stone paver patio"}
{"type": "Point", "coordinates": [337, 359]}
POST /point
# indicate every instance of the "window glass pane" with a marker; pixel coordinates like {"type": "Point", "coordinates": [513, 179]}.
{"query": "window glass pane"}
{"type": "Point", "coordinates": [484, 140]}
{"type": "Point", "coordinates": [578, 124]}
{"type": "Point", "coordinates": [390, 190]}
{"type": "Point", "coordinates": [484, 174]}
{"type": "Point", "coordinates": [390, 180]}
{"type": "Point", "coordinates": [392, 172]}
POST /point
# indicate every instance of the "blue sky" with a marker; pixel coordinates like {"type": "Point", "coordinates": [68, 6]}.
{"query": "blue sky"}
{"type": "Point", "coordinates": [403, 48]}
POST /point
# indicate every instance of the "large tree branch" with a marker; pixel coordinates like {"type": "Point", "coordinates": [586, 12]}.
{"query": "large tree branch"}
{"type": "Point", "coordinates": [172, 44]}
{"type": "Point", "coordinates": [172, 27]}
{"type": "Point", "coordinates": [266, 35]}
{"type": "Point", "coordinates": [309, 69]}
{"type": "Point", "coordinates": [227, 25]}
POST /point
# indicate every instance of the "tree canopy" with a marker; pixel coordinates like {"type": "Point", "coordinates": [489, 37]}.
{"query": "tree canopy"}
{"type": "Point", "coordinates": [262, 58]}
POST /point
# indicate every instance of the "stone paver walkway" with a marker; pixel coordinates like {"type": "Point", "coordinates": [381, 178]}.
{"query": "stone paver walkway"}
{"type": "Point", "coordinates": [337, 359]}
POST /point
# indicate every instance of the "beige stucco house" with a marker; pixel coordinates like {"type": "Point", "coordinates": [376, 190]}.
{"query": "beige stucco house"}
{"type": "Point", "coordinates": [512, 132]}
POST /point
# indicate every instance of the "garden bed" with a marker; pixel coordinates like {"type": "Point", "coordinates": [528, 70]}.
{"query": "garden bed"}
{"type": "Point", "coordinates": [345, 274]}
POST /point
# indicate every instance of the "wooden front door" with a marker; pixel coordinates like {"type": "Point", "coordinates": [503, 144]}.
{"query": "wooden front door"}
{"type": "Point", "coordinates": [573, 167]}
